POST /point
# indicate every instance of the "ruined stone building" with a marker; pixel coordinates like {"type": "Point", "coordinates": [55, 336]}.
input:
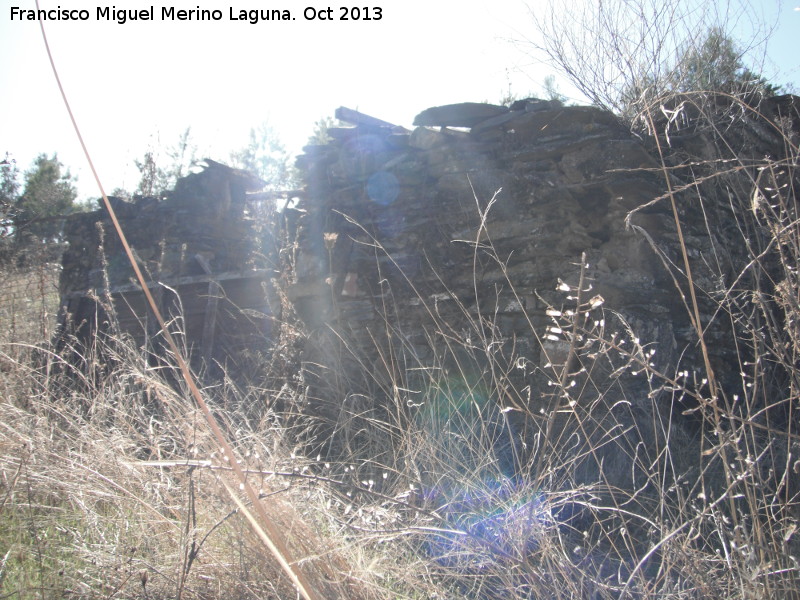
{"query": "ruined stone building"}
{"type": "Point", "coordinates": [479, 233]}
{"type": "Point", "coordinates": [207, 258]}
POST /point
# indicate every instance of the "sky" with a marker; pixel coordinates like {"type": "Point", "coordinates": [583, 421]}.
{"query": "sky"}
{"type": "Point", "coordinates": [138, 85]}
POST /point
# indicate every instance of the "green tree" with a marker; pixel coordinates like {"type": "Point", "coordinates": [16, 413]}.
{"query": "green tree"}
{"type": "Point", "coordinates": [265, 156]}
{"type": "Point", "coordinates": [551, 91]}
{"type": "Point", "coordinates": [182, 157]}
{"type": "Point", "coordinates": [152, 179]}
{"type": "Point", "coordinates": [160, 173]}
{"type": "Point", "coordinates": [319, 136]}
{"type": "Point", "coordinates": [9, 189]}
{"type": "Point", "coordinates": [49, 193]}
{"type": "Point", "coordinates": [717, 65]}
{"type": "Point", "coordinates": [629, 55]}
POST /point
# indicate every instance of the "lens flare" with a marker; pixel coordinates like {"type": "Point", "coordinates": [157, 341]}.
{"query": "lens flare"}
{"type": "Point", "coordinates": [487, 503]}
{"type": "Point", "coordinates": [383, 188]}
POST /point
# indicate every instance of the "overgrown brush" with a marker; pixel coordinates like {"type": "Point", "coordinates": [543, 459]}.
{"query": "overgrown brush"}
{"type": "Point", "coordinates": [112, 485]}
{"type": "Point", "coordinates": [592, 470]}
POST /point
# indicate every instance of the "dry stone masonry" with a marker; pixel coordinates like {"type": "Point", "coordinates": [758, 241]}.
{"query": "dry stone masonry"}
{"type": "Point", "coordinates": [484, 210]}
{"type": "Point", "coordinates": [472, 233]}
{"type": "Point", "coordinates": [206, 256]}
{"type": "Point", "coordinates": [477, 233]}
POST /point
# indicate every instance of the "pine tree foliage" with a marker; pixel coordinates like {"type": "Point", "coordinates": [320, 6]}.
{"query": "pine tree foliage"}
{"type": "Point", "coordinates": [718, 65]}
{"type": "Point", "coordinates": [319, 136]}
{"type": "Point", "coordinates": [9, 189]}
{"type": "Point", "coordinates": [715, 65]}
{"type": "Point", "coordinates": [265, 156]}
{"type": "Point", "coordinates": [49, 193]}
{"type": "Point", "coordinates": [153, 180]}
{"type": "Point", "coordinates": [160, 173]}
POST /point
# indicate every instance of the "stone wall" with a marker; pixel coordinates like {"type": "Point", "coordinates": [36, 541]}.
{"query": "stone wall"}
{"type": "Point", "coordinates": [467, 235]}
{"type": "Point", "coordinates": [206, 256]}
{"type": "Point", "coordinates": [464, 245]}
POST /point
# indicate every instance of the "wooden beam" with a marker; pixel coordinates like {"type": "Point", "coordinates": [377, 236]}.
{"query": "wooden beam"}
{"type": "Point", "coordinates": [176, 282]}
{"type": "Point", "coordinates": [348, 115]}
{"type": "Point", "coordinates": [210, 319]}
{"type": "Point", "coordinates": [210, 322]}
